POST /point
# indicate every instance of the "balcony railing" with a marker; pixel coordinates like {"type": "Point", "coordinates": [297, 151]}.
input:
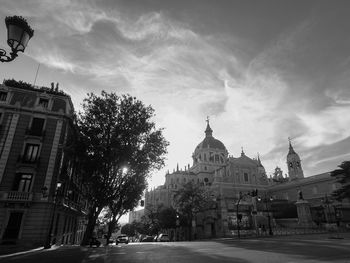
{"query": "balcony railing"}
{"type": "Point", "coordinates": [16, 196]}
{"type": "Point", "coordinates": [21, 159]}
{"type": "Point", "coordinates": [32, 132]}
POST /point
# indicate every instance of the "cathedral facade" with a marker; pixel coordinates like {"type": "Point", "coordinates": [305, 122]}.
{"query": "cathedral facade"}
{"type": "Point", "coordinates": [231, 181]}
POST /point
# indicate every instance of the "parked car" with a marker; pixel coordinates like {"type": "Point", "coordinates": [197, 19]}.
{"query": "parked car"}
{"type": "Point", "coordinates": [122, 239]}
{"type": "Point", "coordinates": [94, 242]}
{"type": "Point", "coordinates": [148, 239]}
{"type": "Point", "coordinates": [163, 238]}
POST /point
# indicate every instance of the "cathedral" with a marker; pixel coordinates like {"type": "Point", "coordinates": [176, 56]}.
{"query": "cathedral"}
{"type": "Point", "coordinates": [231, 180]}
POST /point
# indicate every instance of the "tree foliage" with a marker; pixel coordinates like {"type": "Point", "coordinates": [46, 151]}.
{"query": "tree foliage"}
{"type": "Point", "coordinates": [167, 217]}
{"type": "Point", "coordinates": [129, 230]}
{"type": "Point", "coordinates": [119, 147]}
{"type": "Point", "coordinates": [190, 200]}
{"type": "Point", "coordinates": [342, 176]}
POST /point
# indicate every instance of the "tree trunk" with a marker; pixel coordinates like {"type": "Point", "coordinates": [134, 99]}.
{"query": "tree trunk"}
{"type": "Point", "coordinates": [111, 227]}
{"type": "Point", "coordinates": [92, 217]}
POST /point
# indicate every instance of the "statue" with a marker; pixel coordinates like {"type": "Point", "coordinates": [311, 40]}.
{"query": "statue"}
{"type": "Point", "coordinates": [300, 195]}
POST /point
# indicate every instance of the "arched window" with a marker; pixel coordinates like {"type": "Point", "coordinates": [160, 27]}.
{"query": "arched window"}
{"type": "Point", "coordinates": [246, 178]}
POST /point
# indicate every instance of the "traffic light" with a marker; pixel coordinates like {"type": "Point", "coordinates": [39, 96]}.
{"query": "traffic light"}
{"type": "Point", "coordinates": [142, 203]}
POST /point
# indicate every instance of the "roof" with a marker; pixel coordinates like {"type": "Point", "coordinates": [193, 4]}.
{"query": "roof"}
{"type": "Point", "coordinates": [209, 141]}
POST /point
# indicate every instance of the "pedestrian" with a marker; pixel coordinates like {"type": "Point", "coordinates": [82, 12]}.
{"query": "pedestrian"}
{"type": "Point", "coordinates": [264, 230]}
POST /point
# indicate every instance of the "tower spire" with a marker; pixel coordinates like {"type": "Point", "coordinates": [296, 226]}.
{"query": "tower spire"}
{"type": "Point", "coordinates": [291, 150]}
{"type": "Point", "coordinates": [208, 130]}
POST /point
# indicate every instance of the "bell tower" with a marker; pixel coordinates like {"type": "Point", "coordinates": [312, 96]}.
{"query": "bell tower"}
{"type": "Point", "coordinates": [295, 170]}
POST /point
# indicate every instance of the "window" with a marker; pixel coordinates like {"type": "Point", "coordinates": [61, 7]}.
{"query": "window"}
{"type": "Point", "coordinates": [3, 96]}
{"type": "Point", "coordinates": [246, 177]}
{"type": "Point", "coordinates": [23, 182]}
{"type": "Point", "coordinates": [205, 157]}
{"type": "Point", "coordinates": [37, 126]}
{"type": "Point", "coordinates": [31, 153]}
{"type": "Point", "coordinates": [216, 158]}
{"type": "Point", "coordinates": [291, 165]}
{"type": "Point", "coordinates": [44, 103]}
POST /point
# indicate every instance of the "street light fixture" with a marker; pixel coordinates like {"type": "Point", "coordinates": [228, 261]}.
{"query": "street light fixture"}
{"type": "Point", "coordinates": [267, 200]}
{"type": "Point", "coordinates": [55, 201]}
{"type": "Point", "coordinates": [18, 35]}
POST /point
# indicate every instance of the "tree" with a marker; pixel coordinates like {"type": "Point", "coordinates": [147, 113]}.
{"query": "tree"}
{"type": "Point", "coordinates": [190, 200]}
{"type": "Point", "coordinates": [128, 229]}
{"type": "Point", "coordinates": [167, 217]}
{"type": "Point", "coordinates": [127, 198]}
{"type": "Point", "coordinates": [342, 176]}
{"type": "Point", "coordinates": [119, 143]}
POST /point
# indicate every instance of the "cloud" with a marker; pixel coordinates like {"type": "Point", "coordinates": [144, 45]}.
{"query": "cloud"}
{"type": "Point", "coordinates": [255, 97]}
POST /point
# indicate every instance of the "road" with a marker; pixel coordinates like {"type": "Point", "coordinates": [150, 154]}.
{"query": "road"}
{"type": "Point", "coordinates": [242, 251]}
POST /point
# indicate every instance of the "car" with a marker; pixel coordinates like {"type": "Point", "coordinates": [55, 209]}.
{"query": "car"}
{"type": "Point", "coordinates": [163, 238]}
{"type": "Point", "coordinates": [122, 239]}
{"type": "Point", "coordinates": [94, 242]}
{"type": "Point", "coordinates": [148, 239]}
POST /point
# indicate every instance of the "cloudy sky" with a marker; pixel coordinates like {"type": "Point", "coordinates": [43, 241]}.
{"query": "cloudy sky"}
{"type": "Point", "coordinates": [262, 70]}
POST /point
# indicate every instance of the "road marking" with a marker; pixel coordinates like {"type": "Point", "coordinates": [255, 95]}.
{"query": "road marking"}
{"type": "Point", "coordinates": [141, 252]}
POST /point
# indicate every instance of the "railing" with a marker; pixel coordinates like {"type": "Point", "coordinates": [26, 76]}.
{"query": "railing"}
{"type": "Point", "coordinates": [35, 132]}
{"type": "Point", "coordinates": [22, 159]}
{"type": "Point", "coordinates": [16, 196]}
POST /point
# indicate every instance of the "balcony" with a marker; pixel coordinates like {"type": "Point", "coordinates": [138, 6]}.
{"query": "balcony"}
{"type": "Point", "coordinates": [16, 196]}
{"type": "Point", "coordinates": [22, 160]}
{"type": "Point", "coordinates": [74, 206]}
{"type": "Point", "coordinates": [34, 132]}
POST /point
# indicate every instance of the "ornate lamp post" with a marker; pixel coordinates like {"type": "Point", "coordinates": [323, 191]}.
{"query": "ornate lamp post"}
{"type": "Point", "coordinates": [267, 201]}
{"type": "Point", "coordinates": [18, 35]}
{"type": "Point", "coordinates": [55, 201]}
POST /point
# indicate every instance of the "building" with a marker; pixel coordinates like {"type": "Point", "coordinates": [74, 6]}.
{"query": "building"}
{"type": "Point", "coordinates": [231, 180]}
{"type": "Point", "coordinates": [40, 190]}
{"type": "Point", "coordinates": [135, 216]}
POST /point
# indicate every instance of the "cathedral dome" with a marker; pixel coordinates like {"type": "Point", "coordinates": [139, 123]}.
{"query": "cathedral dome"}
{"type": "Point", "coordinates": [210, 154]}
{"type": "Point", "coordinates": [210, 142]}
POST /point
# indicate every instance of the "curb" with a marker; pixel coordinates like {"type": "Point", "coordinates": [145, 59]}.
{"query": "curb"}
{"type": "Point", "coordinates": [22, 252]}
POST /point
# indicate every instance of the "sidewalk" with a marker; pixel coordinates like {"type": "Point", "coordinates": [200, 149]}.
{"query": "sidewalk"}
{"type": "Point", "coordinates": [13, 250]}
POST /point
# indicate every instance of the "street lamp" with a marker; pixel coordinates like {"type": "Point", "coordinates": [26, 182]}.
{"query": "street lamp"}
{"type": "Point", "coordinates": [238, 215]}
{"type": "Point", "coordinates": [177, 226]}
{"type": "Point", "coordinates": [55, 201]}
{"type": "Point", "coordinates": [18, 35]}
{"type": "Point", "coordinates": [267, 200]}
{"type": "Point", "coordinates": [326, 201]}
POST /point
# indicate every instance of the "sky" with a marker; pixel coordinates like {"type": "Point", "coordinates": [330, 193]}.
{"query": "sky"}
{"type": "Point", "coordinates": [262, 71]}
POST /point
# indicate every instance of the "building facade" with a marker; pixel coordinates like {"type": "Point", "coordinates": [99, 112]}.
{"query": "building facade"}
{"type": "Point", "coordinates": [135, 216]}
{"type": "Point", "coordinates": [231, 181]}
{"type": "Point", "coordinates": [40, 190]}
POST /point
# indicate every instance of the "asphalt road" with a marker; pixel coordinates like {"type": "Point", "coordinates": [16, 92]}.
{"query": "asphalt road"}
{"type": "Point", "coordinates": [243, 251]}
